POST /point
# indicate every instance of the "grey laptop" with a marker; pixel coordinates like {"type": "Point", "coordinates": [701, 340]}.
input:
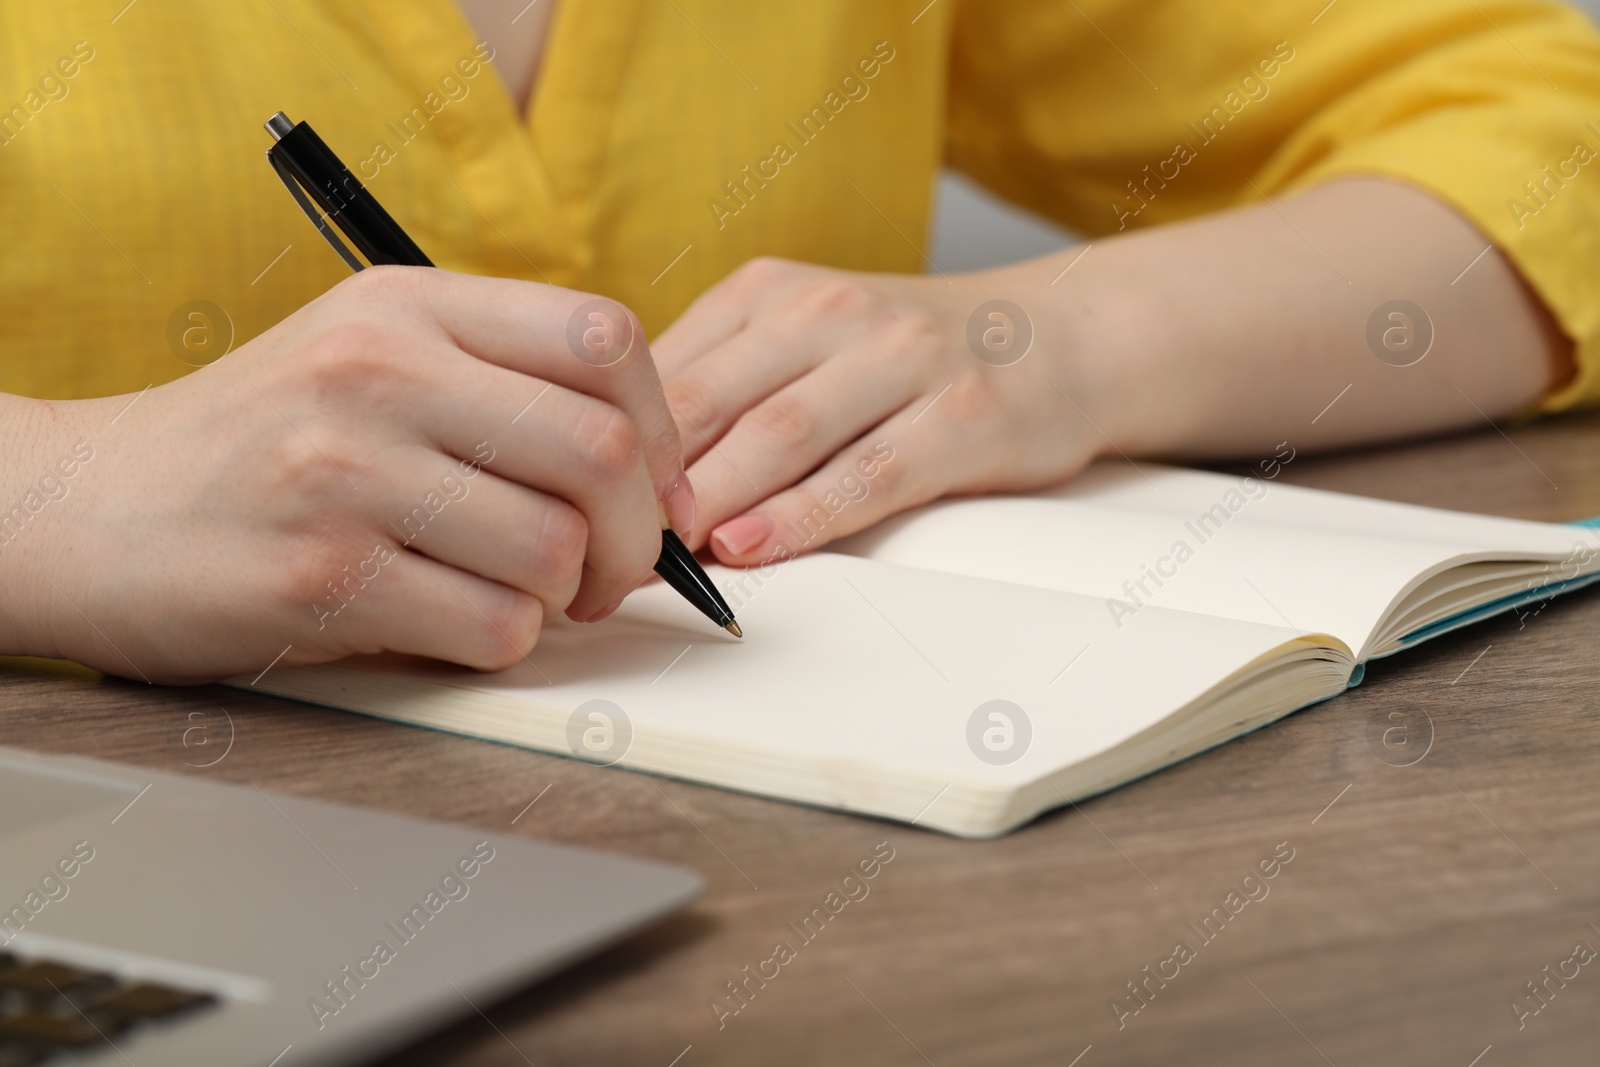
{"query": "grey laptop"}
{"type": "Point", "coordinates": [163, 921]}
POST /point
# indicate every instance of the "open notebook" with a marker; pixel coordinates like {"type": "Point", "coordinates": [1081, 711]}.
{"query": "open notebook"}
{"type": "Point", "coordinates": [971, 664]}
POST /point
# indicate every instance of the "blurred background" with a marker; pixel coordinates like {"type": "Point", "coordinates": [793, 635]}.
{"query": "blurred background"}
{"type": "Point", "coordinates": [973, 230]}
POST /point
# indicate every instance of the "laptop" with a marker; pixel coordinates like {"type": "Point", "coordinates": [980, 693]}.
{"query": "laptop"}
{"type": "Point", "coordinates": [153, 919]}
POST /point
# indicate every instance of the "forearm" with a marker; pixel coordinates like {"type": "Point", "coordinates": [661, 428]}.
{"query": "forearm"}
{"type": "Point", "coordinates": [1223, 336]}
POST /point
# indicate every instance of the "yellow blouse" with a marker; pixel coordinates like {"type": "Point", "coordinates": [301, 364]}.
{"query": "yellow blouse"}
{"type": "Point", "coordinates": [671, 140]}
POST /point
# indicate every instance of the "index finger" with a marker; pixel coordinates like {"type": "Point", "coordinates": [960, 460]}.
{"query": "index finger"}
{"type": "Point", "coordinates": [585, 343]}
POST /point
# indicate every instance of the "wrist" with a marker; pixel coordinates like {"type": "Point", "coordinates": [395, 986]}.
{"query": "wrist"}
{"type": "Point", "coordinates": [1101, 340]}
{"type": "Point", "coordinates": [1116, 342]}
{"type": "Point", "coordinates": [42, 452]}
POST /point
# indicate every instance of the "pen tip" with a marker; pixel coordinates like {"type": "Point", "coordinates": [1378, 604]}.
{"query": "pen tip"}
{"type": "Point", "coordinates": [733, 628]}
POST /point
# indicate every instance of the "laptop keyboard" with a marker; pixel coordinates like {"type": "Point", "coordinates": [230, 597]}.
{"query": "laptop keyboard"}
{"type": "Point", "coordinates": [50, 1010]}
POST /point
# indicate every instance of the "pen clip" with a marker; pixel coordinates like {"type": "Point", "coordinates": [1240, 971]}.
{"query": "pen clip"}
{"type": "Point", "coordinates": [316, 217]}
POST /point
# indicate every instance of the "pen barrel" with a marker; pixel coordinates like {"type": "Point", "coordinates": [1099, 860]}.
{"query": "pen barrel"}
{"type": "Point", "coordinates": [346, 201]}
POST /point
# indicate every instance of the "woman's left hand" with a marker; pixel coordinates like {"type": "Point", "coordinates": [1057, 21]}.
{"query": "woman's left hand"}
{"type": "Point", "coordinates": [813, 402]}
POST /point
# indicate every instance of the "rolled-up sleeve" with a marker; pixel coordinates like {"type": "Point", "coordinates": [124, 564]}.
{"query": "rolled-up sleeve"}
{"type": "Point", "coordinates": [1113, 114]}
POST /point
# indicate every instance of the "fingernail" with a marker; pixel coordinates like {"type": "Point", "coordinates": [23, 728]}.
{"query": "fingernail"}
{"type": "Point", "coordinates": [603, 612]}
{"type": "Point", "coordinates": [680, 505]}
{"type": "Point", "coordinates": [738, 536]}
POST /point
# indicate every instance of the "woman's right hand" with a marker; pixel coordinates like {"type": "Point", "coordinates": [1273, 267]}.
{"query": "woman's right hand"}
{"type": "Point", "coordinates": [417, 462]}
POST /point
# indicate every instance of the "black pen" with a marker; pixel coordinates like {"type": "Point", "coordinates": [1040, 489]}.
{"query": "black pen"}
{"type": "Point", "coordinates": [327, 191]}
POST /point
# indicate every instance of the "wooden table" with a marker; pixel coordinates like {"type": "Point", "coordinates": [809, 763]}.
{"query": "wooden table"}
{"type": "Point", "coordinates": [1419, 901]}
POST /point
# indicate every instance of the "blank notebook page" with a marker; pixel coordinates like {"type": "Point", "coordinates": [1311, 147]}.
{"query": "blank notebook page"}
{"type": "Point", "coordinates": [1290, 557]}
{"type": "Point", "coordinates": [851, 662]}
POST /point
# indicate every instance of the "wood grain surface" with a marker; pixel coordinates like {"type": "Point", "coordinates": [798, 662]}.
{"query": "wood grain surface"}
{"type": "Point", "coordinates": [1419, 900]}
